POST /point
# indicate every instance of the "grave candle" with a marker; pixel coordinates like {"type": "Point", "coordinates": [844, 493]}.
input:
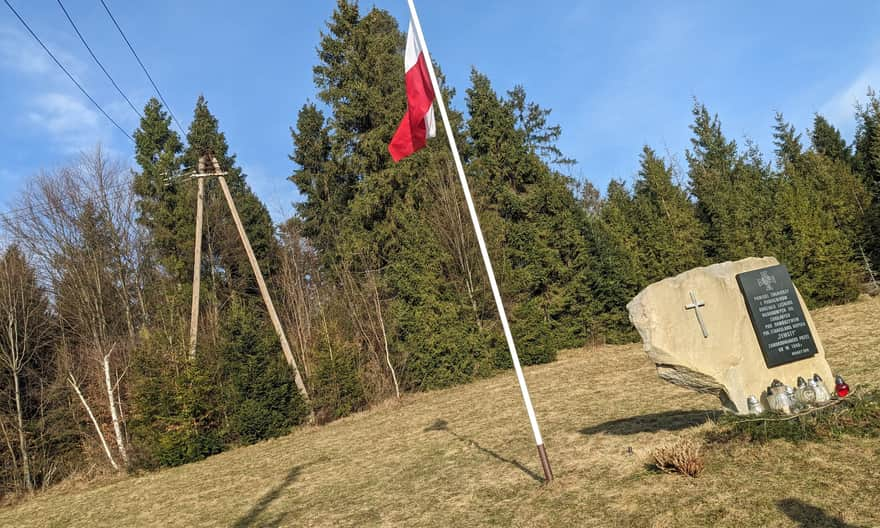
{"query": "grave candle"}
{"type": "Point", "coordinates": [796, 404]}
{"type": "Point", "coordinates": [778, 398]}
{"type": "Point", "coordinates": [822, 394]}
{"type": "Point", "coordinates": [755, 406]}
{"type": "Point", "coordinates": [840, 387]}
{"type": "Point", "coordinates": [805, 394]}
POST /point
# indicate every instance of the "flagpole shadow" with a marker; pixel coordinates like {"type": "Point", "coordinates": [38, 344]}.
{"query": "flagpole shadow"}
{"type": "Point", "coordinates": [442, 425]}
{"type": "Point", "coordinates": [251, 518]}
{"type": "Point", "coordinates": [809, 516]}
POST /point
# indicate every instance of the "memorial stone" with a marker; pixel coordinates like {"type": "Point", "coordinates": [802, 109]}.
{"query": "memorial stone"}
{"type": "Point", "coordinates": [729, 329]}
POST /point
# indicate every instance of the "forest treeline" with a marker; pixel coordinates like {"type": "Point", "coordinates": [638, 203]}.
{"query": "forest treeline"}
{"type": "Point", "coordinates": [377, 276]}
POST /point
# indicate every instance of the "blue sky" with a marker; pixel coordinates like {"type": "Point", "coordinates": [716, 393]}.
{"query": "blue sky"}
{"type": "Point", "coordinates": [617, 75]}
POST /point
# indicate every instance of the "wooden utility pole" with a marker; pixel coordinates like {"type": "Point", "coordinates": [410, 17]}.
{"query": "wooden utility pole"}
{"type": "Point", "coordinates": [255, 266]}
{"type": "Point", "coordinates": [197, 262]}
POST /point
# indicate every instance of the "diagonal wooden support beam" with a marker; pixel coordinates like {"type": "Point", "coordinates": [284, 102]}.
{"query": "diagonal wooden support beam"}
{"type": "Point", "coordinates": [264, 291]}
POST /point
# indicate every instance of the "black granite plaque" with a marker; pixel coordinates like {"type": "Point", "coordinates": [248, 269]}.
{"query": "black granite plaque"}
{"type": "Point", "coordinates": [777, 315]}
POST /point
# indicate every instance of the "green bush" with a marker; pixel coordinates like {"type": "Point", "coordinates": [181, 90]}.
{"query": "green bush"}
{"type": "Point", "coordinates": [336, 386]}
{"type": "Point", "coordinates": [176, 416]}
{"type": "Point", "coordinates": [260, 394]}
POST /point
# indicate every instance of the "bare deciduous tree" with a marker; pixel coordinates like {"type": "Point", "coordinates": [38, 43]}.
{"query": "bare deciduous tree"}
{"type": "Point", "coordinates": [296, 275]}
{"type": "Point", "coordinates": [448, 218]}
{"type": "Point", "coordinates": [365, 306]}
{"type": "Point", "coordinates": [25, 333]}
{"type": "Point", "coordinates": [78, 222]}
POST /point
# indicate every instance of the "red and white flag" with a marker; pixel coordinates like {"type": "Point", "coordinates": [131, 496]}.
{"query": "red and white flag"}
{"type": "Point", "coordinates": [418, 124]}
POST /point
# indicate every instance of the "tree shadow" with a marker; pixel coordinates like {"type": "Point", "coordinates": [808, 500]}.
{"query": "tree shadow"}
{"type": "Point", "coordinates": [250, 518]}
{"type": "Point", "coordinates": [442, 425]}
{"type": "Point", "coordinates": [652, 423]}
{"type": "Point", "coordinates": [809, 516]}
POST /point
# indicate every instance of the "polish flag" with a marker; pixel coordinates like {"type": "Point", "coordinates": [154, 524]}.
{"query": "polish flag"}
{"type": "Point", "coordinates": [418, 123]}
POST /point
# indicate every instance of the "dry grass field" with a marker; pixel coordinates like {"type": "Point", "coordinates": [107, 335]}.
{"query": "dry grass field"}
{"type": "Point", "coordinates": [464, 457]}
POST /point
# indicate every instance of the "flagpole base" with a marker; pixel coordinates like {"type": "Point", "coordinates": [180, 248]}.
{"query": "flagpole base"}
{"type": "Point", "coordinates": [545, 463]}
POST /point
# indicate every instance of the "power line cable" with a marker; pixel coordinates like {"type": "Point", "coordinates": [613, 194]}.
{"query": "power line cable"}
{"type": "Point", "coordinates": [86, 44]}
{"type": "Point", "coordinates": [78, 85]}
{"type": "Point", "coordinates": [22, 213]}
{"type": "Point", "coordinates": [133, 52]}
{"type": "Point", "coordinates": [112, 191]}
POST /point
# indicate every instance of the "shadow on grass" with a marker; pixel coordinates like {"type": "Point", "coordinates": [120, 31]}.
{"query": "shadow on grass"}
{"type": "Point", "coordinates": [809, 516]}
{"type": "Point", "coordinates": [652, 423]}
{"type": "Point", "coordinates": [442, 425]}
{"type": "Point", "coordinates": [250, 518]}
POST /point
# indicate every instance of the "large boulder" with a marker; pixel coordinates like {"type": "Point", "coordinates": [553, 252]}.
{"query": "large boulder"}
{"type": "Point", "coordinates": [728, 362]}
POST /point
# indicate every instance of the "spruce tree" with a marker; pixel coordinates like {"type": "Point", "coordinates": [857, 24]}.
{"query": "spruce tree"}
{"type": "Point", "coordinates": [387, 216]}
{"type": "Point", "coordinates": [867, 163]}
{"type": "Point", "coordinates": [326, 191]}
{"type": "Point", "coordinates": [179, 412]}
{"type": "Point", "coordinates": [531, 213]}
{"type": "Point", "coordinates": [365, 213]}
{"type": "Point", "coordinates": [818, 253]}
{"type": "Point", "coordinates": [867, 144]}
{"type": "Point", "coordinates": [787, 141]}
{"type": "Point", "coordinates": [671, 239]}
{"type": "Point", "coordinates": [164, 201]}
{"type": "Point", "coordinates": [259, 392]}
{"type": "Point", "coordinates": [615, 273]}
{"type": "Point", "coordinates": [733, 191]}
{"type": "Point", "coordinates": [826, 140]}
{"type": "Point", "coordinates": [819, 219]}
{"type": "Point", "coordinates": [177, 409]}
{"type": "Point", "coordinates": [619, 219]}
{"type": "Point", "coordinates": [222, 242]}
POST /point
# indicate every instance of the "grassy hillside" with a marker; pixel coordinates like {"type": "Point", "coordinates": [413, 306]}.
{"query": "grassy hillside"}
{"type": "Point", "coordinates": [464, 457]}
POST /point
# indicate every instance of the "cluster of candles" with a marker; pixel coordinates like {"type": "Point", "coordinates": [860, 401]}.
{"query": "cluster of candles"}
{"type": "Point", "coordinates": [786, 399]}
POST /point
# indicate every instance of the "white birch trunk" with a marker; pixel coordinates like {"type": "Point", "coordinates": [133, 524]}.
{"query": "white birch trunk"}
{"type": "Point", "coordinates": [72, 381]}
{"type": "Point", "coordinates": [385, 338]}
{"type": "Point", "coordinates": [25, 462]}
{"type": "Point", "coordinates": [114, 412]}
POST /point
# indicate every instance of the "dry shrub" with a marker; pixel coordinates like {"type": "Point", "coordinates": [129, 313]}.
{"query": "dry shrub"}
{"type": "Point", "coordinates": [685, 457]}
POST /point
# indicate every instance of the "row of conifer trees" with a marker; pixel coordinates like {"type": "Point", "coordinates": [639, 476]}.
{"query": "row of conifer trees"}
{"type": "Point", "coordinates": [377, 277]}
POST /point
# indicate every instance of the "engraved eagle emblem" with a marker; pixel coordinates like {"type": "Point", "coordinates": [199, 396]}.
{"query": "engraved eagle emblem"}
{"type": "Point", "coordinates": [766, 281]}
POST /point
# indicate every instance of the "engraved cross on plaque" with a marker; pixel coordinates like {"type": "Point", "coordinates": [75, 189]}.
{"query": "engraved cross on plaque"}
{"type": "Point", "coordinates": [695, 306]}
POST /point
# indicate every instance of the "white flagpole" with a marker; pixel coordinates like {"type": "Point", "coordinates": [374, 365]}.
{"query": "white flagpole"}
{"type": "Point", "coordinates": [545, 463]}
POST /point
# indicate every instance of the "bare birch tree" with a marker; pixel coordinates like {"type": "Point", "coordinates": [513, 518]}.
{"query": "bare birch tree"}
{"type": "Point", "coordinates": [79, 224]}
{"type": "Point", "coordinates": [449, 219]}
{"type": "Point", "coordinates": [365, 306]}
{"type": "Point", "coordinates": [296, 275]}
{"type": "Point", "coordinates": [26, 331]}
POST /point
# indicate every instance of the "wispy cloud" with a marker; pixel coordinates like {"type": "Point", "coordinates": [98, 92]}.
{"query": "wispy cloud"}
{"type": "Point", "coordinates": [66, 120]}
{"type": "Point", "coordinates": [19, 53]}
{"type": "Point", "coordinates": [50, 104]}
{"type": "Point", "coordinates": [61, 114]}
{"type": "Point", "coordinates": [840, 107]}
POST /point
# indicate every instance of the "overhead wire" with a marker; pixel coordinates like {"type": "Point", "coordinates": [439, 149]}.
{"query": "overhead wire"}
{"type": "Point", "coordinates": [144, 68]}
{"type": "Point", "coordinates": [21, 213]}
{"type": "Point", "coordinates": [112, 191]}
{"type": "Point", "coordinates": [89, 48]}
{"type": "Point", "coordinates": [69, 75]}
{"type": "Point", "coordinates": [18, 213]}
